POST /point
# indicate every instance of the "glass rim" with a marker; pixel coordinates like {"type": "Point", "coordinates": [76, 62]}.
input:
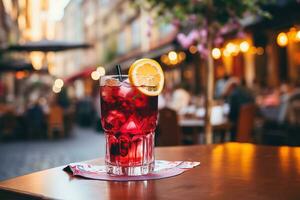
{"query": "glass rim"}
{"type": "Point", "coordinates": [125, 76]}
{"type": "Point", "coordinates": [114, 75]}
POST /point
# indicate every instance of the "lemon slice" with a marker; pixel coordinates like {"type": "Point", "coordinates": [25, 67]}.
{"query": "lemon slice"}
{"type": "Point", "coordinates": [146, 74]}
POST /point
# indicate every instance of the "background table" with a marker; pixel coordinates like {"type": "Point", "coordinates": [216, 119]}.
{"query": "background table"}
{"type": "Point", "coordinates": [227, 171]}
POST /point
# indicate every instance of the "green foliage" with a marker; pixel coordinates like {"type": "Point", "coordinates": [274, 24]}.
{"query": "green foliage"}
{"type": "Point", "coordinates": [215, 11]}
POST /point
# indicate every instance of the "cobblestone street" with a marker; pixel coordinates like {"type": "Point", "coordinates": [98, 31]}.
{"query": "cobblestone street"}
{"type": "Point", "coordinates": [23, 157]}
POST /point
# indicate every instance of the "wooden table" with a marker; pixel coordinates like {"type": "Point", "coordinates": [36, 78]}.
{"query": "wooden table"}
{"type": "Point", "coordinates": [227, 171]}
{"type": "Point", "coordinates": [194, 122]}
{"type": "Point", "coordinates": [197, 124]}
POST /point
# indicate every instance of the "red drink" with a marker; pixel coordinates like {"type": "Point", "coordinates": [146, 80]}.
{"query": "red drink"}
{"type": "Point", "coordinates": [129, 120]}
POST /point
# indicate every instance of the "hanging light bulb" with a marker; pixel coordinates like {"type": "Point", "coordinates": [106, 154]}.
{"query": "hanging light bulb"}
{"type": "Point", "coordinates": [56, 89]}
{"type": "Point", "coordinates": [193, 49]}
{"type": "Point", "coordinates": [172, 56]}
{"type": "Point", "coordinates": [282, 39]}
{"type": "Point", "coordinates": [95, 75]}
{"type": "Point", "coordinates": [59, 83]}
{"type": "Point", "coordinates": [244, 46]}
{"type": "Point", "coordinates": [216, 53]}
{"type": "Point", "coordinates": [298, 36]}
{"type": "Point", "coordinates": [101, 70]}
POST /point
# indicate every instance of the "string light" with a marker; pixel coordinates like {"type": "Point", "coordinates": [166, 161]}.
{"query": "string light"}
{"type": "Point", "coordinates": [59, 83]}
{"type": "Point", "coordinates": [282, 39]}
{"type": "Point", "coordinates": [95, 75]}
{"type": "Point", "coordinates": [216, 53]}
{"type": "Point", "coordinates": [181, 56]}
{"type": "Point", "coordinates": [226, 53]}
{"type": "Point", "coordinates": [260, 51]}
{"type": "Point", "coordinates": [230, 47]}
{"type": "Point", "coordinates": [193, 49]}
{"type": "Point", "coordinates": [56, 89]}
{"type": "Point", "coordinates": [101, 70]}
{"type": "Point", "coordinates": [244, 46]}
{"type": "Point", "coordinates": [37, 60]}
{"type": "Point", "coordinates": [297, 38]}
{"type": "Point", "coordinates": [172, 56]}
{"type": "Point", "coordinates": [164, 59]}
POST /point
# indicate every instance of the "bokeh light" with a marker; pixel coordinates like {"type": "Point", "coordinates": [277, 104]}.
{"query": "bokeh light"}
{"type": "Point", "coordinates": [282, 39]}
{"type": "Point", "coordinates": [56, 89]}
{"type": "Point", "coordinates": [101, 70]}
{"type": "Point", "coordinates": [260, 51]}
{"type": "Point", "coordinates": [298, 36]}
{"type": "Point", "coordinates": [172, 56]}
{"type": "Point", "coordinates": [216, 53]}
{"type": "Point", "coordinates": [244, 46]}
{"type": "Point", "coordinates": [59, 83]}
{"type": "Point", "coordinates": [95, 75]}
{"type": "Point", "coordinates": [193, 49]}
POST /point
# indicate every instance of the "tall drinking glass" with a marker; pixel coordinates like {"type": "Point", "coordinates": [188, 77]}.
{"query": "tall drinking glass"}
{"type": "Point", "coordinates": [129, 119]}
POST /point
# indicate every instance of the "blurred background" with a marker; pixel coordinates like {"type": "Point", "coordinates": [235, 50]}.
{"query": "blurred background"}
{"type": "Point", "coordinates": [52, 54]}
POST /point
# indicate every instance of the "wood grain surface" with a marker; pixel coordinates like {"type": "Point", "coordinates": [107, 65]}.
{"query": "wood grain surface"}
{"type": "Point", "coordinates": [227, 171]}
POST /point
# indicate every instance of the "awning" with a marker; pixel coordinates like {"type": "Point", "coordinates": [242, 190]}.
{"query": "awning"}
{"type": "Point", "coordinates": [157, 49]}
{"type": "Point", "coordinates": [15, 65]}
{"type": "Point", "coordinates": [47, 45]}
{"type": "Point", "coordinates": [81, 74]}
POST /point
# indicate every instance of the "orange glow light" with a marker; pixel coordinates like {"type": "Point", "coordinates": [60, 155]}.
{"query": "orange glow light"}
{"type": "Point", "coordinates": [20, 75]}
{"type": "Point", "coordinates": [298, 36]}
{"type": "Point", "coordinates": [216, 53]}
{"type": "Point", "coordinates": [193, 49]}
{"type": "Point", "coordinates": [282, 39]}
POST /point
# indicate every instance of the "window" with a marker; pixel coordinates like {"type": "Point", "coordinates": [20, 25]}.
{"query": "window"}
{"type": "Point", "coordinates": [136, 34]}
{"type": "Point", "coordinates": [103, 2]}
{"type": "Point", "coordinates": [121, 43]}
{"type": "Point", "coordinates": [165, 29]}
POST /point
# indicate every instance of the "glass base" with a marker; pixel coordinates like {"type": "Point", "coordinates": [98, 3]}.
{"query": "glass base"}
{"type": "Point", "coordinates": [129, 171]}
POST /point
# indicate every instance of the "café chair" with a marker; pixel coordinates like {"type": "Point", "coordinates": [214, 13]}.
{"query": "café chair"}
{"type": "Point", "coordinates": [169, 133]}
{"type": "Point", "coordinates": [284, 130]}
{"type": "Point", "coordinates": [245, 125]}
{"type": "Point", "coordinates": [8, 125]}
{"type": "Point", "coordinates": [55, 121]}
{"type": "Point", "coordinates": [293, 120]}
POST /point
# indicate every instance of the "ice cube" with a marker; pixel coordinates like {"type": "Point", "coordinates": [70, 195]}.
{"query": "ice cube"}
{"type": "Point", "coordinates": [107, 93]}
{"type": "Point", "coordinates": [124, 145]}
{"type": "Point", "coordinates": [115, 119]}
{"type": "Point", "coordinates": [126, 81]}
{"type": "Point", "coordinates": [125, 90]}
{"type": "Point", "coordinates": [111, 82]}
{"type": "Point", "coordinates": [132, 125]}
{"type": "Point", "coordinates": [140, 100]}
{"type": "Point", "coordinates": [149, 123]}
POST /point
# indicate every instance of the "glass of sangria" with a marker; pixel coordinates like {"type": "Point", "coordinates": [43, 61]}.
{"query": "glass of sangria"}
{"type": "Point", "coordinates": [129, 119]}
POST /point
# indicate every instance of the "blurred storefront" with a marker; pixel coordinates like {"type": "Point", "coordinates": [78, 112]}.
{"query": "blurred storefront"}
{"type": "Point", "coordinates": [121, 33]}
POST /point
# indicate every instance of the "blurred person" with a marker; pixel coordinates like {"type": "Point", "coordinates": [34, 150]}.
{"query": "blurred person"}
{"type": "Point", "coordinates": [288, 96]}
{"type": "Point", "coordinates": [35, 120]}
{"type": "Point", "coordinates": [237, 95]}
{"type": "Point", "coordinates": [85, 111]}
{"type": "Point", "coordinates": [180, 97]}
{"type": "Point", "coordinates": [97, 109]}
{"type": "Point", "coordinates": [161, 102]}
{"type": "Point", "coordinates": [2, 92]}
{"type": "Point", "coordinates": [273, 99]}
{"type": "Point", "coordinates": [220, 84]}
{"type": "Point", "coordinates": [55, 118]}
{"type": "Point", "coordinates": [63, 98]}
{"type": "Point", "coordinates": [165, 97]}
{"type": "Point", "coordinates": [256, 87]}
{"type": "Point", "coordinates": [44, 104]}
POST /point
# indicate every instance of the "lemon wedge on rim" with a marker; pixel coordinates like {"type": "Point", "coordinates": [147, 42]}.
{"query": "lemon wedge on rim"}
{"type": "Point", "coordinates": [147, 76]}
